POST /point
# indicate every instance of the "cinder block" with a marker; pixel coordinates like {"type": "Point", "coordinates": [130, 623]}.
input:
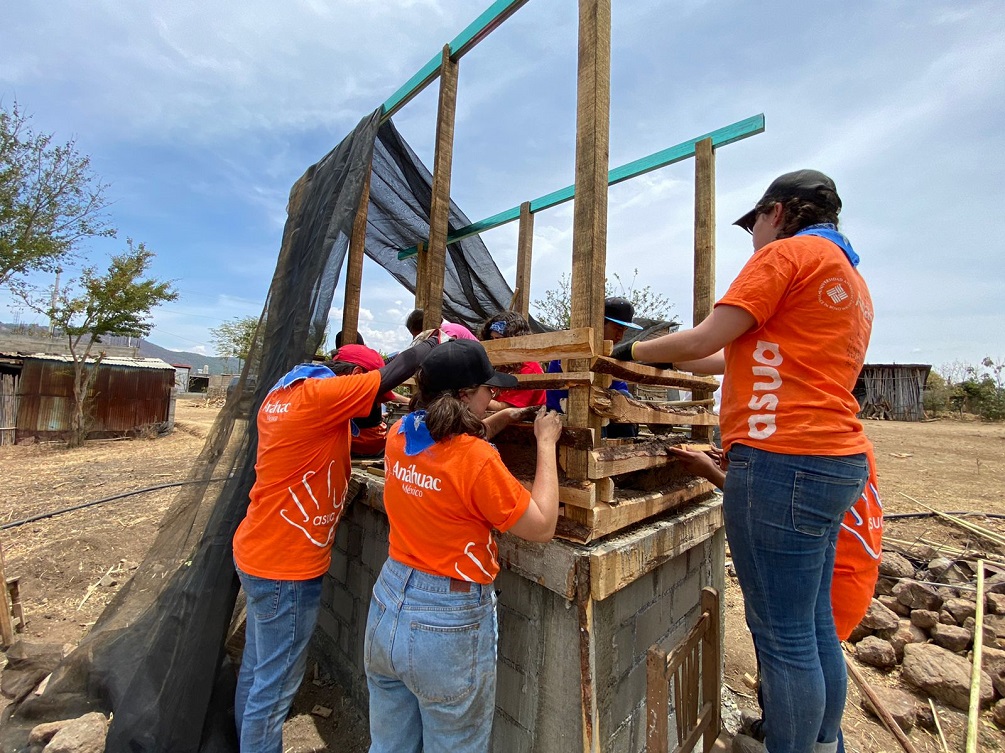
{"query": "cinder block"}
{"type": "Point", "coordinates": [329, 625]}
{"type": "Point", "coordinates": [327, 588]}
{"type": "Point", "coordinates": [518, 594]}
{"type": "Point", "coordinates": [339, 566]}
{"type": "Point", "coordinates": [342, 537]}
{"type": "Point", "coordinates": [341, 605]}
{"type": "Point", "coordinates": [508, 736]}
{"type": "Point", "coordinates": [634, 597]}
{"type": "Point", "coordinates": [512, 693]}
{"type": "Point", "coordinates": [650, 626]}
{"type": "Point", "coordinates": [515, 638]}
{"type": "Point", "coordinates": [623, 698]}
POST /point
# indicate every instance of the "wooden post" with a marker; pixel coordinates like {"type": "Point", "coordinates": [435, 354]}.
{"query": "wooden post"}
{"type": "Point", "coordinates": [587, 656]}
{"type": "Point", "coordinates": [421, 274]}
{"type": "Point", "coordinates": [657, 700]}
{"type": "Point", "coordinates": [589, 243]}
{"type": "Point", "coordinates": [439, 210]}
{"type": "Point", "coordinates": [711, 665]}
{"type": "Point", "coordinates": [974, 712]}
{"type": "Point", "coordinates": [6, 623]}
{"type": "Point", "coordinates": [354, 270]}
{"type": "Point", "coordinates": [704, 251]}
{"type": "Point", "coordinates": [524, 252]}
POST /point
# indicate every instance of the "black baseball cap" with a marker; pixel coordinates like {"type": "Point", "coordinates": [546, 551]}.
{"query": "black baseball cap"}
{"type": "Point", "coordinates": [811, 185]}
{"type": "Point", "coordinates": [620, 311]}
{"type": "Point", "coordinates": [459, 364]}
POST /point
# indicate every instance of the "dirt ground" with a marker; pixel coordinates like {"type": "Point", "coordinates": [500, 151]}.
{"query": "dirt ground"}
{"type": "Point", "coordinates": [71, 565]}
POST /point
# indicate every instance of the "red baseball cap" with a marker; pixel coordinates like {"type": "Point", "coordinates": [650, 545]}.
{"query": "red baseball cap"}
{"type": "Point", "coordinates": [366, 358]}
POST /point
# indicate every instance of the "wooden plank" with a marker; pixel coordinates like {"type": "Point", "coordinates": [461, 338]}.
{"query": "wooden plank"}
{"type": "Point", "coordinates": [554, 381]}
{"type": "Point", "coordinates": [614, 460]}
{"type": "Point", "coordinates": [704, 251]}
{"type": "Point", "coordinates": [421, 275]}
{"type": "Point", "coordinates": [587, 657]}
{"type": "Point", "coordinates": [624, 410]}
{"type": "Point", "coordinates": [573, 493]}
{"type": "Point", "coordinates": [487, 21]}
{"type": "Point", "coordinates": [711, 665]}
{"type": "Point", "coordinates": [439, 210]}
{"type": "Point", "coordinates": [524, 254]}
{"type": "Point", "coordinates": [551, 564]}
{"type": "Point", "coordinates": [6, 622]}
{"type": "Point", "coordinates": [354, 268]}
{"type": "Point", "coordinates": [606, 518]}
{"type": "Point", "coordinates": [640, 373]}
{"type": "Point", "coordinates": [657, 701]}
{"type": "Point", "coordinates": [623, 559]}
{"type": "Point", "coordinates": [569, 343]}
{"type": "Point", "coordinates": [523, 434]}
{"type": "Point", "coordinates": [721, 137]}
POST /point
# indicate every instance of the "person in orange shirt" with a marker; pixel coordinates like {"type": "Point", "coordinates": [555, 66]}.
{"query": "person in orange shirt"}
{"type": "Point", "coordinates": [369, 433]}
{"type": "Point", "coordinates": [430, 644]}
{"type": "Point", "coordinates": [511, 324]}
{"type": "Point", "coordinates": [790, 336]}
{"type": "Point", "coordinates": [282, 548]}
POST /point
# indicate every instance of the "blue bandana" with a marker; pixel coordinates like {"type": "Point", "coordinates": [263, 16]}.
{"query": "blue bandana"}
{"type": "Point", "coordinates": [300, 372]}
{"type": "Point", "coordinates": [417, 436]}
{"type": "Point", "coordinates": [830, 232]}
{"type": "Point", "coordinates": [498, 327]}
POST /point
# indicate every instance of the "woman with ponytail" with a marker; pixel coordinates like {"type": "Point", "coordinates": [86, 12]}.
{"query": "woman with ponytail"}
{"type": "Point", "coordinates": [430, 648]}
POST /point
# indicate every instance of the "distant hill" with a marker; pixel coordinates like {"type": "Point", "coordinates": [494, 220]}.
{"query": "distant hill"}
{"type": "Point", "coordinates": [196, 360]}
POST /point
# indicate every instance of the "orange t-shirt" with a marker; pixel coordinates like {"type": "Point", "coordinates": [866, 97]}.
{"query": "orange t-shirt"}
{"type": "Point", "coordinates": [519, 398]}
{"type": "Point", "coordinates": [856, 561]}
{"type": "Point", "coordinates": [788, 381]}
{"type": "Point", "coordinates": [370, 440]}
{"type": "Point", "coordinates": [443, 503]}
{"type": "Point", "coordinates": [302, 472]}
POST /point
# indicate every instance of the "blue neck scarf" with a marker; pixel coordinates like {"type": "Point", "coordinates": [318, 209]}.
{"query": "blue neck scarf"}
{"type": "Point", "coordinates": [417, 436]}
{"type": "Point", "coordinates": [829, 231]}
{"type": "Point", "coordinates": [304, 371]}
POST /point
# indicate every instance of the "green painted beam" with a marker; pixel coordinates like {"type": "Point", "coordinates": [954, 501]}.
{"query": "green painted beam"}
{"type": "Point", "coordinates": [737, 131]}
{"type": "Point", "coordinates": [473, 33]}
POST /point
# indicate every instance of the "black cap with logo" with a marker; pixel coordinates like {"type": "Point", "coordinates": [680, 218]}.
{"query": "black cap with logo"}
{"type": "Point", "coordinates": [459, 364]}
{"type": "Point", "coordinates": [810, 185]}
{"type": "Point", "coordinates": [620, 311]}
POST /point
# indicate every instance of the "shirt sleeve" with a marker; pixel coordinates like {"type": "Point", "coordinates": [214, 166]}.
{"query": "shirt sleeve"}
{"type": "Point", "coordinates": [345, 397]}
{"type": "Point", "coordinates": [762, 283]}
{"type": "Point", "coordinates": [499, 497]}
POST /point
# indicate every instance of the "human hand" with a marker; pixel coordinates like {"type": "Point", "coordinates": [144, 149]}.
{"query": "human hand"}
{"type": "Point", "coordinates": [694, 462]}
{"type": "Point", "coordinates": [436, 335]}
{"type": "Point", "coordinates": [623, 352]}
{"type": "Point", "coordinates": [547, 426]}
{"type": "Point", "coordinates": [524, 414]}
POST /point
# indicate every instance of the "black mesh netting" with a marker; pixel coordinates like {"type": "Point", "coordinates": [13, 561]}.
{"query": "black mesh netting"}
{"type": "Point", "coordinates": [155, 659]}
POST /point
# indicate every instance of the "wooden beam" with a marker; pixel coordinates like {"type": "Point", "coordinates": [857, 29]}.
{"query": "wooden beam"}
{"type": "Point", "coordinates": [6, 622]}
{"type": "Point", "coordinates": [624, 410]}
{"type": "Point", "coordinates": [489, 20]}
{"type": "Point", "coordinates": [569, 343]}
{"type": "Point", "coordinates": [421, 275]}
{"type": "Point", "coordinates": [354, 268]}
{"type": "Point", "coordinates": [704, 250]}
{"type": "Point", "coordinates": [554, 381]}
{"type": "Point", "coordinates": [614, 460]}
{"type": "Point", "coordinates": [524, 253]}
{"type": "Point", "coordinates": [619, 563]}
{"type": "Point", "coordinates": [551, 565]}
{"type": "Point", "coordinates": [523, 434]}
{"type": "Point", "coordinates": [439, 210]}
{"type": "Point", "coordinates": [587, 656]}
{"type": "Point", "coordinates": [642, 374]}
{"type": "Point", "coordinates": [574, 493]}
{"type": "Point", "coordinates": [711, 671]}
{"type": "Point", "coordinates": [729, 134]}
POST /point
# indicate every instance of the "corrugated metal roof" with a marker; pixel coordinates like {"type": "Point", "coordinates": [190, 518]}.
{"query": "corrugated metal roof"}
{"type": "Point", "coordinates": [135, 363]}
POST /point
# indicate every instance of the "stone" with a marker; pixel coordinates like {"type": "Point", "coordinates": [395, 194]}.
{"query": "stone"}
{"type": "Point", "coordinates": [901, 706]}
{"type": "Point", "coordinates": [924, 717]}
{"type": "Point", "coordinates": [993, 662]}
{"type": "Point", "coordinates": [938, 566]}
{"type": "Point", "coordinates": [859, 632]}
{"type": "Point", "coordinates": [960, 609]}
{"type": "Point", "coordinates": [85, 734]}
{"type": "Point", "coordinates": [990, 639]}
{"type": "Point", "coordinates": [996, 622]}
{"type": "Point", "coordinates": [994, 603]}
{"type": "Point", "coordinates": [27, 665]}
{"type": "Point", "coordinates": [894, 565]}
{"type": "Point", "coordinates": [995, 584]}
{"type": "Point", "coordinates": [952, 637]}
{"type": "Point", "coordinates": [925, 619]}
{"type": "Point", "coordinates": [998, 714]}
{"type": "Point", "coordinates": [906, 633]}
{"type": "Point", "coordinates": [876, 653]}
{"type": "Point", "coordinates": [894, 605]}
{"type": "Point", "coordinates": [945, 618]}
{"type": "Point", "coordinates": [946, 593]}
{"type": "Point", "coordinates": [943, 675]}
{"type": "Point", "coordinates": [917, 595]}
{"type": "Point", "coordinates": [884, 586]}
{"type": "Point", "coordinates": [878, 617]}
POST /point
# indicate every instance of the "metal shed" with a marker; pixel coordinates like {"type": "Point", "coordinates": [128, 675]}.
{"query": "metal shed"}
{"type": "Point", "coordinates": [129, 394]}
{"type": "Point", "coordinates": [894, 391]}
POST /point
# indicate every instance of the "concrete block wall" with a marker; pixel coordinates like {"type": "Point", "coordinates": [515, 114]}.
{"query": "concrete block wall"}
{"type": "Point", "coordinates": [539, 690]}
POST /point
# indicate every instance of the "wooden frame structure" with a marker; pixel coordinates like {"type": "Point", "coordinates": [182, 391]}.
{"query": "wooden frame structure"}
{"type": "Point", "coordinates": [693, 668]}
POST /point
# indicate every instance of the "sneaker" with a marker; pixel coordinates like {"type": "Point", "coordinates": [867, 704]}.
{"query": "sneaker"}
{"type": "Point", "coordinates": [752, 725]}
{"type": "Point", "coordinates": [745, 744]}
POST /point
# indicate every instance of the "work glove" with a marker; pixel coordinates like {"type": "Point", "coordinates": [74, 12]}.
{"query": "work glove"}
{"type": "Point", "coordinates": [623, 352]}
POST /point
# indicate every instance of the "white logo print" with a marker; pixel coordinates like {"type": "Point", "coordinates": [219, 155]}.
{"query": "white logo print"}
{"type": "Point", "coordinates": [837, 294]}
{"type": "Point", "coordinates": [315, 517]}
{"type": "Point", "coordinates": [762, 425]}
{"type": "Point", "coordinates": [470, 555]}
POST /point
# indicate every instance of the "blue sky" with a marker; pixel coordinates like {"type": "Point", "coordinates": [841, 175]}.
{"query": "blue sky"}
{"type": "Point", "coordinates": [201, 115]}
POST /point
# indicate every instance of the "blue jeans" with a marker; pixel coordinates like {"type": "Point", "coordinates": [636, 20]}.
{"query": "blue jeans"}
{"type": "Point", "coordinates": [430, 657]}
{"type": "Point", "coordinates": [783, 513]}
{"type": "Point", "coordinates": [281, 618]}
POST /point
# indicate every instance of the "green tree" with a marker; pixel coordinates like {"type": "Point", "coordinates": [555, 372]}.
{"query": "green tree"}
{"type": "Point", "coordinates": [555, 309]}
{"type": "Point", "coordinates": [117, 302]}
{"type": "Point", "coordinates": [235, 338]}
{"type": "Point", "coordinates": [49, 198]}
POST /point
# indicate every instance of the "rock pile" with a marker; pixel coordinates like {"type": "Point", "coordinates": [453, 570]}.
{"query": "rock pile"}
{"type": "Point", "coordinates": [923, 619]}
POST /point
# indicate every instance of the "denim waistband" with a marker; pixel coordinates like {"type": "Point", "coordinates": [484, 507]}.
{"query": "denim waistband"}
{"type": "Point", "coordinates": [406, 576]}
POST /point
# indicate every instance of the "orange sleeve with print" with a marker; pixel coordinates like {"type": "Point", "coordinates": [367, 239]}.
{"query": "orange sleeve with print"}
{"type": "Point", "coordinates": [856, 561]}
{"type": "Point", "coordinates": [302, 474]}
{"type": "Point", "coordinates": [788, 381]}
{"type": "Point", "coordinates": [442, 510]}
{"type": "Point", "coordinates": [524, 398]}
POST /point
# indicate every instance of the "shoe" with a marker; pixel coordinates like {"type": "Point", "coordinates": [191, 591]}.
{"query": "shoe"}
{"type": "Point", "coordinates": [752, 725]}
{"type": "Point", "coordinates": [744, 744]}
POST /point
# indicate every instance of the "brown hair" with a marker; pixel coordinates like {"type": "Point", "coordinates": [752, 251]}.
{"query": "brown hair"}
{"type": "Point", "coordinates": [515, 325]}
{"type": "Point", "coordinates": [799, 213]}
{"type": "Point", "coordinates": [446, 414]}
